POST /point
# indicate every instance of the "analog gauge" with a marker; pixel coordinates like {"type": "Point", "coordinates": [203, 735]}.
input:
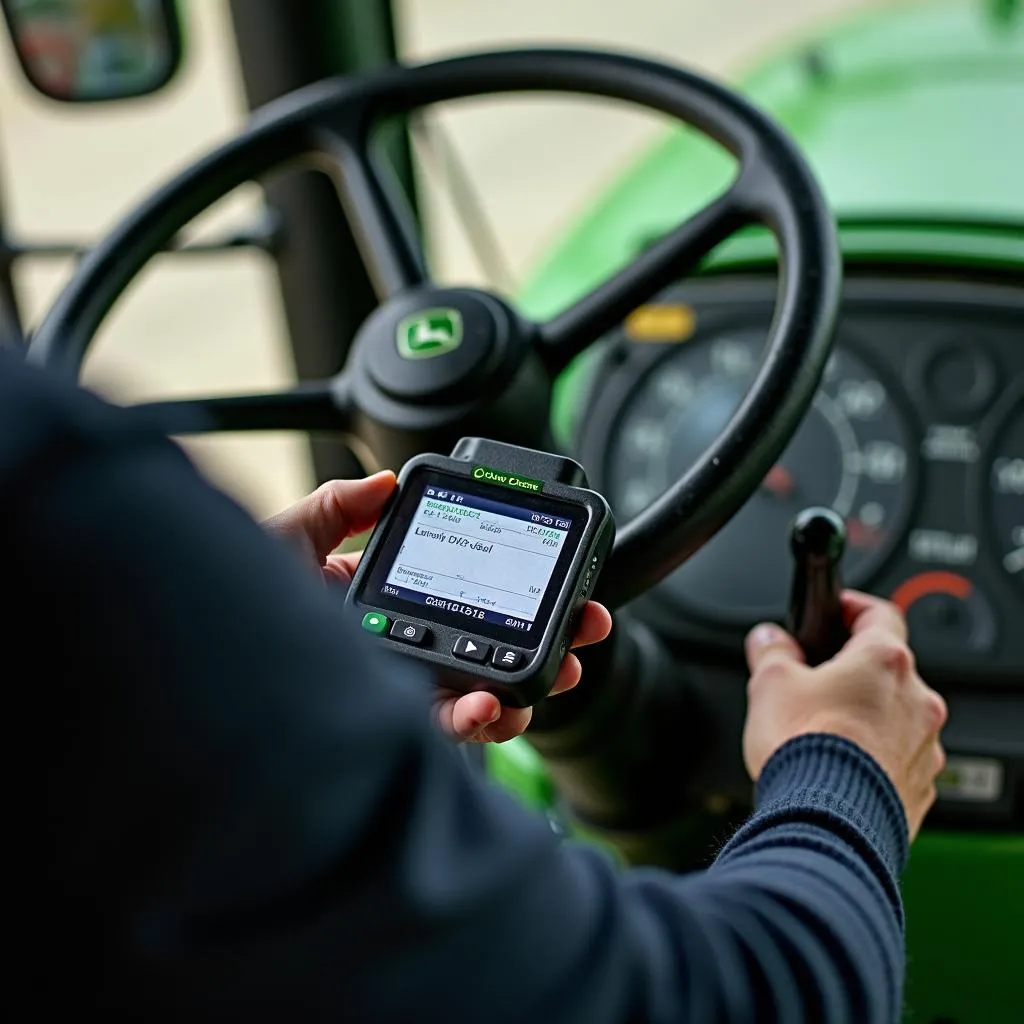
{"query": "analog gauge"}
{"type": "Point", "coordinates": [1006, 480]}
{"type": "Point", "coordinates": [946, 614]}
{"type": "Point", "coordinates": [852, 453]}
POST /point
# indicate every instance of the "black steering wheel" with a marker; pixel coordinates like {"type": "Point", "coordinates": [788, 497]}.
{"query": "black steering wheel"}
{"type": "Point", "coordinates": [433, 364]}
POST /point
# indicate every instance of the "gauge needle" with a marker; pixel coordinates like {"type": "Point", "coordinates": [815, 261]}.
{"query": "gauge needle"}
{"type": "Point", "coordinates": [779, 482]}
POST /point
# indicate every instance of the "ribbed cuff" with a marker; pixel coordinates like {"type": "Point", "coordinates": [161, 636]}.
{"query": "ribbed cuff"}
{"type": "Point", "coordinates": [832, 774]}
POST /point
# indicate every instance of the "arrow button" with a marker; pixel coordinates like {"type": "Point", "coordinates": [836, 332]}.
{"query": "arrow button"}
{"type": "Point", "coordinates": [470, 649]}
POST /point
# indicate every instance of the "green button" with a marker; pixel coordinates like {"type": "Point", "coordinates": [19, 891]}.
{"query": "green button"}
{"type": "Point", "coordinates": [374, 622]}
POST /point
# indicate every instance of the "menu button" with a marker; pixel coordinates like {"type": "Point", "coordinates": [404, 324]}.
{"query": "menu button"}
{"type": "Point", "coordinates": [507, 658]}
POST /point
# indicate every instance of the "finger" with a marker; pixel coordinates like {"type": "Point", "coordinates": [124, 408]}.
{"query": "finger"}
{"type": "Point", "coordinates": [334, 511]}
{"type": "Point", "coordinates": [569, 674]}
{"type": "Point", "coordinates": [594, 625]}
{"type": "Point", "coordinates": [512, 723]}
{"type": "Point", "coordinates": [465, 717]}
{"type": "Point", "coordinates": [863, 612]}
{"type": "Point", "coordinates": [769, 643]}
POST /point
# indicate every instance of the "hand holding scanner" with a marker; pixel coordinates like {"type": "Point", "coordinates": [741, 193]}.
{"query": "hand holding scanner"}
{"type": "Point", "coordinates": [481, 564]}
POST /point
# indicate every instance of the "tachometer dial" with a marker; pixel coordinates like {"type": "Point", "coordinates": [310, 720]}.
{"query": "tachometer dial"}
{"type": "Point", "coordinates": [1006, 479]}
{"type": "Point", "coordinates": [853, 453]}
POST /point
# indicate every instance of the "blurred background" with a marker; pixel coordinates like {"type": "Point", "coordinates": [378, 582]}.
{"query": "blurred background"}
{"type": "Point", "coordinates": [214, 324]}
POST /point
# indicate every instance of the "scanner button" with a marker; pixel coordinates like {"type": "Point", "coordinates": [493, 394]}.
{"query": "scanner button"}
{"type": "Point", "coordinates": [374, 622]}
{"type": "Point", "coordinates": [507, 658]}
{"type": "Point", "coordinates": [409, 632]}
{"type": "Point", "coordinates": [469, 649]}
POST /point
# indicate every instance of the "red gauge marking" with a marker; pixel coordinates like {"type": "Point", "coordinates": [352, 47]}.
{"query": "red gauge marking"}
{"type": "Point", "coordinates": [925, 583]}
{"type": "Point", "coordinates": [779, 482]}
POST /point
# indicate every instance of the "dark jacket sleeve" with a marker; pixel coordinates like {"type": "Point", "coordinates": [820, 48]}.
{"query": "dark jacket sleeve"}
{"type": "Point", "coordinates": [250, 816]}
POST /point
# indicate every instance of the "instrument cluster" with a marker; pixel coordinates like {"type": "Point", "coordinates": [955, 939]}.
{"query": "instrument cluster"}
{"type": "Point", "coordinates": [915, 437]}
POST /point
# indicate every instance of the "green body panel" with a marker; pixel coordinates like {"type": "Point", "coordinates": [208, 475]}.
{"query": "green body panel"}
{"type": "Point", "coordinates": [964, 897]}
{"type": "Point", "coordinates": [896, 241]}
{"type": "Point", "coordinates": [913, 118]}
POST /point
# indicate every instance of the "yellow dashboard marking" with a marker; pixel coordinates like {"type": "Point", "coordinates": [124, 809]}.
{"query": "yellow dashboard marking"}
{"type": "Point", "coordinates": [661, 322]}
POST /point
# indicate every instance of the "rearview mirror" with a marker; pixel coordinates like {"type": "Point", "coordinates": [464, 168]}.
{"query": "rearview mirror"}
{"type": "Point", "coordinates": [88, 51]}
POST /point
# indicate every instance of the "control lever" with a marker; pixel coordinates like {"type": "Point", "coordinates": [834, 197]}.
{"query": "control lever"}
{"type": "Point", "coordinates": [817, 537]}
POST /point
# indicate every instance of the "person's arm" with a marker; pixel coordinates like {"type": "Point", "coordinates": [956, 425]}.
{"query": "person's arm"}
{"type": "Point", "coordinates": [812, 880]}
{"type": "Point", "coordinates": [252, 817]}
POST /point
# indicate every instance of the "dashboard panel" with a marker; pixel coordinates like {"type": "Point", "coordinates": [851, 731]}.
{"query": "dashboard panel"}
{"type": "Point", "coordinates": [916, 438]}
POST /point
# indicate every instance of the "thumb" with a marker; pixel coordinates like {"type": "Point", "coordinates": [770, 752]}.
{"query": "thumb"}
{"type": "Point", "coordinates": [769, 642]}
{"type": "Point", "coordinates": [334, 511]}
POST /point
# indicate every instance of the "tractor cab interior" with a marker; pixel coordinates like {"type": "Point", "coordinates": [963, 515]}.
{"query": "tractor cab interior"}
{"type": "Point", "coordinates": [807, 291]}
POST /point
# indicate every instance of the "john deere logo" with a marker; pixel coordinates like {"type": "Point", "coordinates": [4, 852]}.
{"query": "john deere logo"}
{"type": "Point", "coordinates": [431, 332]}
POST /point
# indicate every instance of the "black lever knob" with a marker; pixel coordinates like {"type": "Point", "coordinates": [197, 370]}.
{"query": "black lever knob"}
{"type": "Point", "coordinates": [817, 537]}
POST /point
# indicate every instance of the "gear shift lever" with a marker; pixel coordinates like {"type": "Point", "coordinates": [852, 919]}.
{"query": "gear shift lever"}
{"type": "Point", "coordinates": [817, 537]}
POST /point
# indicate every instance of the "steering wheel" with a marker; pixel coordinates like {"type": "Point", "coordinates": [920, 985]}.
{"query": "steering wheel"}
{"type": "Point", "coordinates": [433, 364]}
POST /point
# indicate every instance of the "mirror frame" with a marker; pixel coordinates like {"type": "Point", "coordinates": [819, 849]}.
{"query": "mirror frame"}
{"type": "Point", "coordinates": [175, 42]}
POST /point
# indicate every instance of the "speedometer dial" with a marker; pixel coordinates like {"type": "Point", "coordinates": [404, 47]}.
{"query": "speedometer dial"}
{"type": "Point", "coordinates": [1007, 482]}
{"type": "Point", "coordinates": [851, 453]}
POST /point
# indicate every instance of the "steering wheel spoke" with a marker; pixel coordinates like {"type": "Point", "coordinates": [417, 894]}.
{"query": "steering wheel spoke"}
{"type": "Point", "coordinates": [315, 405]}
{"type": "Point", "coordinates": [377, 212]}
{"type": "Point", "coordinates": [667, 260]}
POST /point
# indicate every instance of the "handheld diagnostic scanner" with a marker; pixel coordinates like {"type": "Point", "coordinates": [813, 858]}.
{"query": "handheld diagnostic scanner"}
{"type": "Point", "coordinates": [481, 564]}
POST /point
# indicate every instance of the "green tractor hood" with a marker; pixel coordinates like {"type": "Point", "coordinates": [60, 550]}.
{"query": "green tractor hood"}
{"type": "Point", "coordinates": [912, 115]}
{"type": "Point", "coordinates": [916, 111]}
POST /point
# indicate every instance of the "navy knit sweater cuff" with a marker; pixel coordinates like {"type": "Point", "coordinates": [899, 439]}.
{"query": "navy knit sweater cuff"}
{"type": "Point", "coordinates": [834, 776]}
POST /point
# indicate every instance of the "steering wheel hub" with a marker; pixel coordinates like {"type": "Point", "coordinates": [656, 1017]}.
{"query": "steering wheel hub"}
{"type": "Point", "coordinates": [439, 345]}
